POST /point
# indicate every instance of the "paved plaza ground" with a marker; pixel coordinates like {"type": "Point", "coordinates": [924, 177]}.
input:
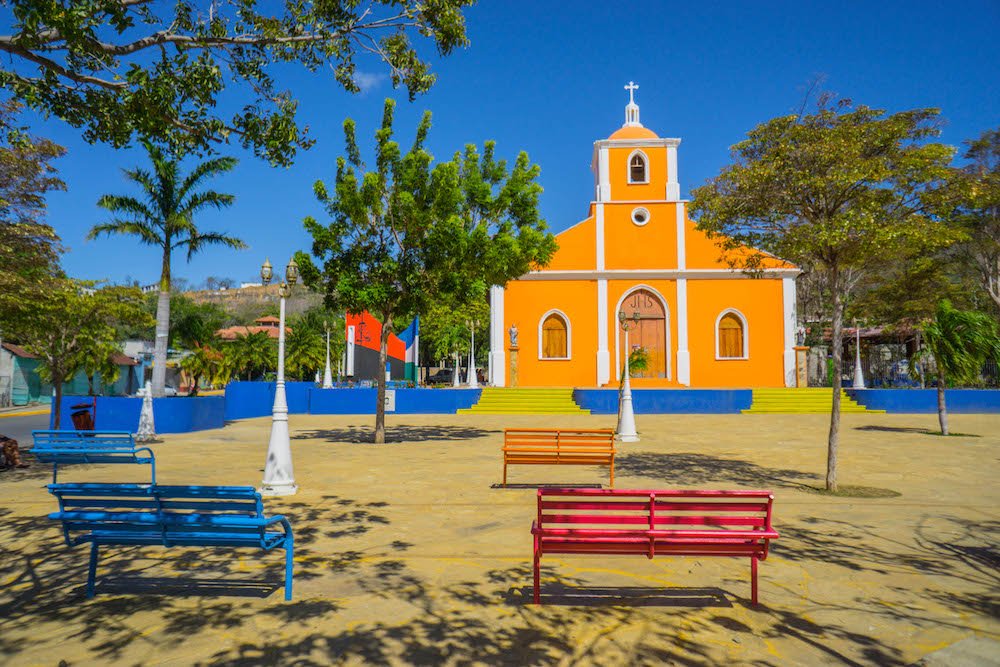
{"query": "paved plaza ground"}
{"type": "Point", "coordinates": [410, 553]}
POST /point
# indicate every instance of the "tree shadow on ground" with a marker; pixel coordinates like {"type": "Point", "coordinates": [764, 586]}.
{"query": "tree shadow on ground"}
{"type": "Point", "coordinates": [455, 623]}
{"type": "Point", "coordinates": [912, 429]}
{"type": "Point", "coordinates": [690, 468]}
{"type": "Point", "coordinates": [395, 434]}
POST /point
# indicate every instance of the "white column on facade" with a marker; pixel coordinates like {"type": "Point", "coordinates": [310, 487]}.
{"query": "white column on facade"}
{"type": "Point", "coordinates": [497, 356]}
{"type": "Point", "coordinates": [788, 301]}
{"type": "Point", "coordinates": [350, 350]}
{"type": "Point", "coordinates": [673, 183]}
{"type": "Point", "coordinates": [683, 353]}
{"type": "Point", "coordinates": [603, 357]}
{"type": "Point", "coordinates": [604, 175]}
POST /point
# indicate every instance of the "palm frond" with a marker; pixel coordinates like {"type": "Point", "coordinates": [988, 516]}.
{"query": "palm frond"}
{"type": "Point", "coordinates": [201, 200]}
{"type": "Point", "coordinates": [128, 204]}
{"type": "Point", "coordinates": [146, 233]}
{"type": "Point", "coordinates": [205, 170]}
{"type": "Point", "coordinates": [196, 241]}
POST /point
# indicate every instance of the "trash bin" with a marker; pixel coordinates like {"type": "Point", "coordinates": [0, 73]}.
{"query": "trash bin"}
{"type": "Point", "coordinates": [82, 416]}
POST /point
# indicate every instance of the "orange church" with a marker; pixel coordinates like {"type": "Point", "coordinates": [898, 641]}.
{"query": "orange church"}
{"type": "Point", "coordinates": [701, 323]}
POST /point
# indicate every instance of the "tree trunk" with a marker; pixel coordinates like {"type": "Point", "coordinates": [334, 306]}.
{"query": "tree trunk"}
{"type": "Point", "coordinates": [837, 343]}
{"type": "Point", "coordinates": [162, 329]}
{"type": "Point", "coordinates": [383, 350]}
{"type": "Point", "coordinates": [57, 383]}
{"type": "Point", "coordinates": [942, 408]}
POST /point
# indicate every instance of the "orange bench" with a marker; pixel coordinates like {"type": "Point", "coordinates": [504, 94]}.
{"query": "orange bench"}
{"type": "Point", "coordinates": [542, 446]}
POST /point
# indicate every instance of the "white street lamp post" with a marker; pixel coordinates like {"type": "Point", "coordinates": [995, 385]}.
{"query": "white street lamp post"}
{"type": "Point", "coordinates": [472, 380]}
{"type": "Point", "coordinates": [626, 417]}
{"type": "Point", "coordinates": [456, 380]}
{"type": "Point", "coordinates": [279, 477]}
{"type": "Point", "coordinates": [859, 376]}
{"type": "Point", "coordinates": [327, 373]}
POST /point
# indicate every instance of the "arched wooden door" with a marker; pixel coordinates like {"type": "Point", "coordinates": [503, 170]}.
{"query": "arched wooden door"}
{"type": "Point", "coordinates": [650, 333]}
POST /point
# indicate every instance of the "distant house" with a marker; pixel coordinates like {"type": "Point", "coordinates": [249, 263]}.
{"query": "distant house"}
{"type": "Point", "coordinates": [268, 324]}
{"type": "Point", "coordinates": [20, 381]}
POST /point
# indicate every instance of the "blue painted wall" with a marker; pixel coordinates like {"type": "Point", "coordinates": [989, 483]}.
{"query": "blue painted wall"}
{"type": "Point", "coordinates": [171, 415]}
{"type": "Point", "coordinates": [924, 401]}
{"type": "Point", "coordinates": [254, 399]}
{"type": "Point", "coordinates": [667, 401]}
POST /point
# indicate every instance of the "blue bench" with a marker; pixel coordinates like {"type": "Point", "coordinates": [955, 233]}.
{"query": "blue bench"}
{"type": "Point", "coordinates": [64, 447]}
{"type": "Point", "coordinates": [184, 516]}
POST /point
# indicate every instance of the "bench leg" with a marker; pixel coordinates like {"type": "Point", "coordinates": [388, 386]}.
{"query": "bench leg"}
{"type": "Point", "coordinates": [289, 559]}
{"type": "Point", "coordinates": [55, 472]}
{"type": "Point", "coordinates": [92, 571]}
{"type": "Point", "coordinates": [505, 473]}
{"type": "Point", "coordinates": [612, 473]}
{"type": "Point", "coordinates": [753, 580]}
{"type": "Point", "coordinates": [538, 556]}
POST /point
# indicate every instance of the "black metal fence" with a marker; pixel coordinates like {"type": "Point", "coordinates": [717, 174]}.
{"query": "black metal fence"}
{"type": "Point", "coordinates": [889, 366]}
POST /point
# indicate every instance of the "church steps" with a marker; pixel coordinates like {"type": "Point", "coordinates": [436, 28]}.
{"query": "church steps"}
{"type": "Point", "coordinates": [516, 400]}
{"type": "Point", "coordinates": [812, 400]}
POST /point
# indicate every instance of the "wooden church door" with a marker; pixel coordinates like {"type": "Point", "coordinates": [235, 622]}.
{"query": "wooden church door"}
{"type": "Point", "coordinates": [650, 333]}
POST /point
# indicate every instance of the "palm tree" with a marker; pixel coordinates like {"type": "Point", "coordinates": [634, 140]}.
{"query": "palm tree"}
{"type": "Point", "coordinates": [164, 218]}
{"type": "Point", "coordinates": [960, 342]}
{"type": "Point", "coordinates": [203, 361]}
{"type": "Point", "coordinates": [305, 350]}
{"type": "Point", "coordinates": [252, 354]}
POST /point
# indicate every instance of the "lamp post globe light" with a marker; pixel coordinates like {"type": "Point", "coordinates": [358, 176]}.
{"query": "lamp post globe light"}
{"type": "Point", "coordinates": [626, 417]}
{"type": "Point", "coordinates": [279, 478]}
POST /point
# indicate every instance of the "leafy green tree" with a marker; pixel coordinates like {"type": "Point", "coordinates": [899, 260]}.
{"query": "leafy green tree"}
{"type": "Point", "coordinates": [29, 248]}
{"type": "Point", "coordinates": [99, 360]}
{"type": "Point", "coordinates": [165, 218]}
{"type": "Point", "coordinates": [960, 342]}
{"type": "Point", "coordinates": [444, 329]}
{"type": "Point", "coordinates": [836, 191]}
{"type": "Point", "coordinates": [252, 355]}
{"type": "Point", "coordinates": [69, 321]}
{"type": "Point", "coordinates": [204, 362]}
{"type": "Point", "coordinates": [305, 351]}
{"type": "Point", "coordinates": [977, 199]}
{"type": "Point", "coordinates": [121, 69]}
{"type": "Point", "coordinates": [405, 235]}
{"type": "Point", "coordinates": [194, 324]}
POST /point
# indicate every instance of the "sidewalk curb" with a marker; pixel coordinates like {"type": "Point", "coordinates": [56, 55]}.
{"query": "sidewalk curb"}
{"type": "Point", "coordinates": [26, 413]}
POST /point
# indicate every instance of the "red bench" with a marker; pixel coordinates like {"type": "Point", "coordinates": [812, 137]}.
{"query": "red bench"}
{"type": "Point", "coordinates": [649, 523]}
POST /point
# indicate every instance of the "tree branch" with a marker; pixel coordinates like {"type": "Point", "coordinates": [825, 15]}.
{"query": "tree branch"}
{"type": "Point", "coordinates": [16, 49]}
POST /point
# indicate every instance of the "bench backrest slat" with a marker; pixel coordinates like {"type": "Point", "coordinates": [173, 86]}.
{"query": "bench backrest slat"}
{"type": "Point", "coordinates": [175, 513]}
{"type": "Point", "coordinates": [68, 439]}
{"type": "Point", "coordinates": [607, 509]}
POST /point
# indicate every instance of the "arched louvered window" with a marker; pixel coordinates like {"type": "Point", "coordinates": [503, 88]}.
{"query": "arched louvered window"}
{"type": "Point", "coordinates": [637, 168]}
{"type": "Point", "coordinates": [554, 342]}
{"type": "Point", "coordinates": [731, 337]}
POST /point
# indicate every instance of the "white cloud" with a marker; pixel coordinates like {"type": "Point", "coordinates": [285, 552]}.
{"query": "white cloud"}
{"type": "Point", "coordinates": [367, 81]}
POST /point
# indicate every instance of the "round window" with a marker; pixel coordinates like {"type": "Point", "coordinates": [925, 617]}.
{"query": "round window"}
{"type": "Point", "coordinates": [640, 216]}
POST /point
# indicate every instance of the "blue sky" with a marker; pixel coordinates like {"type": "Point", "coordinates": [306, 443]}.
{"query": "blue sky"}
{"type": "Point", "coordinates": [548, 80]}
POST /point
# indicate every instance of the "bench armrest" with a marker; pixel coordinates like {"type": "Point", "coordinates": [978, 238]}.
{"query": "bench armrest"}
{"type": "Point", "coordinates": [282, 520]}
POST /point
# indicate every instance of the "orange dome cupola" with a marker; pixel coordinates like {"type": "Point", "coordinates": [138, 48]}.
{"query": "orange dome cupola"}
{"type": "Point", "coordinates": [632, 129]}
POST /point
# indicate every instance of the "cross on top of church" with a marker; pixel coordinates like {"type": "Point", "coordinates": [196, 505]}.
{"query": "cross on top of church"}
{"type": "Point", "coordinates": [632, 109]}
{"type": "Point", "coordinates": [631, 88]}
